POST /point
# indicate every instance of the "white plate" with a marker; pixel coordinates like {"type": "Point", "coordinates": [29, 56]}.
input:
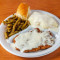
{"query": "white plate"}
{"type": "Point", "coordinates": [27, 55]}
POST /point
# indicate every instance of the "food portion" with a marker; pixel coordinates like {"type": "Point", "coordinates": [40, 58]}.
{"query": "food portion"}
{"type": "Point", "coordinates": [43, 21]}
{"type": "Point", "coordinates": [22, 19]}
{"type": "Point", "coordinates": [18, 22]}
{"type": "Point", "coordinates": [14, 25]}
{"type": "Point", "coordinates": [34, 40]}
{"type": "Point", "coordinates": [23, 11]}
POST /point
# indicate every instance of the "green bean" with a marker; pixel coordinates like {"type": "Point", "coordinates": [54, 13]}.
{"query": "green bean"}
{"type": "Point", "coordinates": [9, 25]}
{"type": "Point", "coordinates": [14, 16]}
{"type": "Point", "coordinates": [24, 25]}
{"type": "Point", "coordinates": [6, 35]}
{"type": "Point", "coordinates": [12, 33]}
{"type": "Point", "coordinates": [19, 27]}
{"type": "Point", "coordinates": [19, 23]}
{"type": "Point", "coordinates": [13, 29]}
{"type": "Point", "coordinates": [9, 30]}
{"type": "Point", "coordinates": [14, 25]}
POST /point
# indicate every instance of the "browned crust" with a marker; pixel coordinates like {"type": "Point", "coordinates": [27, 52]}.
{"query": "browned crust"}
{"type": "Point", "coordinates": [50, 33]}
{"type": "Point", "coordinates": [23, 9]}
{"type": "Point", "coordinates": [17, 49]}
{"type": "Point", "coordinates": [14, 39]}
{"type": "Point", "coordinates": [38, 30]}
{"type": "Point", "coordinates": [35, 49]}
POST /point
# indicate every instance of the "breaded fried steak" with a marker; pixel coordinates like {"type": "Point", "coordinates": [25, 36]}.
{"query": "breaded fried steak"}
{"type": "Point", "coordinates": [33, 41]}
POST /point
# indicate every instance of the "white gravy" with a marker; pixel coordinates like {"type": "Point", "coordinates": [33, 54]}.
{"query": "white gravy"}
{"type": "Point", "coordinates": [29, 40]}
{"type": "Point", "coordinates": [43, 21]}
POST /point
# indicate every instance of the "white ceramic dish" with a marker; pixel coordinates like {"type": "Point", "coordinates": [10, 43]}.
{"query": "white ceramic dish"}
{"type": "Point", "coordinates": [27, 55]}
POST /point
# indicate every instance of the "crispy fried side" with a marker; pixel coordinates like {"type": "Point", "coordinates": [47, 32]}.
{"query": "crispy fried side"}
{"type": "Point", "coordinates": [37, 49]}
{"type": "Point", "coordinates": [34, 49]}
